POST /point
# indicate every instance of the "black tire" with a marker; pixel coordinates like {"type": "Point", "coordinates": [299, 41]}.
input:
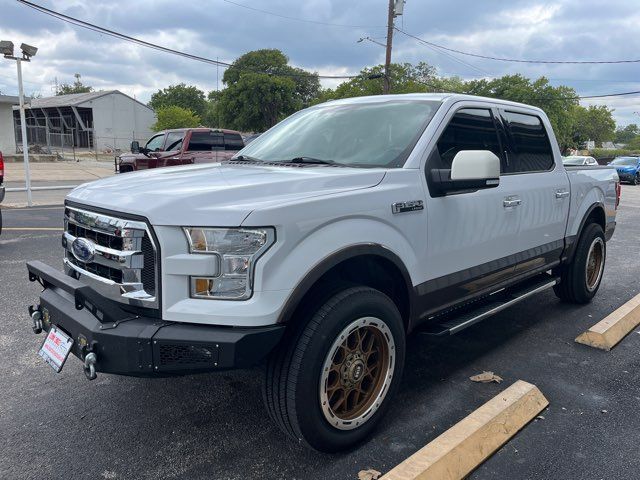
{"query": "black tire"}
{"type": "Point", "coordinates": [574, 281]}
{"type": "Point", "coordinates": [292, 387]}
{"type": "Point", "coordinates": [636, 179]}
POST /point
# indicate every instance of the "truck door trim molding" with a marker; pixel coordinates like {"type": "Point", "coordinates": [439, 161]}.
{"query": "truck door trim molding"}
{"type": "Point", "coordinates": [449, 290]}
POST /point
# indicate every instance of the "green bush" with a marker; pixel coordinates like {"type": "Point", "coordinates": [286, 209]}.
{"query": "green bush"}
{"type": "Point", "coordinates": [603, 153]}
{"type": "Point", "coordinates": [173, 116]}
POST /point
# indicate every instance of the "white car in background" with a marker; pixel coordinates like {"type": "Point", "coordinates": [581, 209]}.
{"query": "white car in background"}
{"type": "Point", "coordinates": [579, 160]}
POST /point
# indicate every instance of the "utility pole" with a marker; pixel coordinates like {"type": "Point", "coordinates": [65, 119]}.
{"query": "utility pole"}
{"type": "Point", "coordinates": [396, 7]}
{"type": "Point", "coordinates": [387, 61]}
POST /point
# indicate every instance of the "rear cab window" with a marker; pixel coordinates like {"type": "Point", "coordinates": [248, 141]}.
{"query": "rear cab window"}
{"type": "Point", "coordinates": [233, 141]}
{"type": "Point", "coordinates": [528, 149]}
{"type": "Point", "coordinates": [206, 141]}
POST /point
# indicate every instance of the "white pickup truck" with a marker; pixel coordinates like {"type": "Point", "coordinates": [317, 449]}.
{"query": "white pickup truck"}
{"type": "Point", "coordinates": [320, 246]}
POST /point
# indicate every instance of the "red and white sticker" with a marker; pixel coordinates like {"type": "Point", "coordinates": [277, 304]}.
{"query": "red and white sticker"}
{"type": "Point", "coordinates": [56, 348]}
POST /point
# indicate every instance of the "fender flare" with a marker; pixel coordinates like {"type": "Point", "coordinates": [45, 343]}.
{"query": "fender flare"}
{"type": "Point", "coordinates": [572, 241]}
{"type": "Point", "coordinates": [327, 263]}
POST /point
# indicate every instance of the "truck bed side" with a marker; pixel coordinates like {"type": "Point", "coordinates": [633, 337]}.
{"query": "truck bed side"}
{"type": "Point", "coordinates": [592, 185]}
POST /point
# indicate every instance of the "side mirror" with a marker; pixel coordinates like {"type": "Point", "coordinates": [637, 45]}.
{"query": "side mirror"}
{"type": "Point", "coordinates": [135, 147]}
{"type": "Point", "coordinates": [470, 170]}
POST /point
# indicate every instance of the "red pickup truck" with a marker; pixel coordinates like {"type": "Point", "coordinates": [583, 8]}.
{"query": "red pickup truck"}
{"type": "Point", "coordinates": [183, 146]}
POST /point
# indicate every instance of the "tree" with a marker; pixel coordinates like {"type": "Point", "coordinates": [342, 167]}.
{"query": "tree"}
{"type": "Point", "coordinates": [76, 87]}
{"type": "Point", "coordinates": [594, 123]}
{"type": "Point", "coordinates": [404, 78]}
{"type": "Point", "coordinates": [274, 62]}
{"type": "Point", "coordinates": [181, 95]}
{"type": "Point", "coordinates": [173, 116]}
{"type": "Point", "coordinates": [257, 101]}
{"type": "Point", "coordinates": [627, 134]}
{"type": "Point", "coordinates": [261, 90]}
{"type": "Point", "coordinates": [634, 144]}
{"type": "Point", "coordinates": [212, 115]}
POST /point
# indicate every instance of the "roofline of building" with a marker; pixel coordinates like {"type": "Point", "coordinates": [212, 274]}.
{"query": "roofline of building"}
{"type": "Point", "coordinates": [80, 103]}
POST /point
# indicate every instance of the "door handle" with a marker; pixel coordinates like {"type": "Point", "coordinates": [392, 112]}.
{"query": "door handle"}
{"type": "Point", "coordinates": [511, 202]}
{"type": "Point", "coordinates": [562, 193]}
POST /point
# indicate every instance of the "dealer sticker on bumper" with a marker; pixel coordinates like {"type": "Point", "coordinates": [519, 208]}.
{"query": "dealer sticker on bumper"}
{"type": "Point", "coordinates": [56, 348]}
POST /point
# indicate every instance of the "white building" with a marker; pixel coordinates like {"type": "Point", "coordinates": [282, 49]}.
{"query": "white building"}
{"type": "Point", "coordinates": [7, 136]}
{"type": "Point", "coordinates": [106, 120]}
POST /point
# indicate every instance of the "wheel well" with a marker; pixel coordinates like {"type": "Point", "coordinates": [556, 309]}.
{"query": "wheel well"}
{"type": "Point", "coordinates": [126, 168]}
{"type": "Point", "coordinates": [595, 216]}
{"type": "Point", "coordinates": [368, 270]}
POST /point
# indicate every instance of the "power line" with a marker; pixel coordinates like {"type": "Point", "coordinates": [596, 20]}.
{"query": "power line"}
{"type": "Point", "coordinates": [515, 60]}
{"type": "Point", "coordinates": [122, 36]}
{"type": "Point", "coordinates": [304, 20]}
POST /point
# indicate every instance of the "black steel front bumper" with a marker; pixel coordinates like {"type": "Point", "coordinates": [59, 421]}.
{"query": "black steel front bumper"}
{"type": "Point", "coordinates": [130, 344]}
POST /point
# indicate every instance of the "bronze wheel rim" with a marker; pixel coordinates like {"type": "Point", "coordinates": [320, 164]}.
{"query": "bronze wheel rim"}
{"type": "Point", "coordinates": [595, 264]}
{"type": "Point", "coordinates": [356, 373]}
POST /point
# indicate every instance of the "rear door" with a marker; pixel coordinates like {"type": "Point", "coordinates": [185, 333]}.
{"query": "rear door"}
{"type": "Point", "coordinates": [542, 186]}
{"type": "Point", "coordinates": [472, 236]}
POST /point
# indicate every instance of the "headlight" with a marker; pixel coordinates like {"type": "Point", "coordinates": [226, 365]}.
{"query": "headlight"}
{"type": "Point", "coordinates": [237, 250]}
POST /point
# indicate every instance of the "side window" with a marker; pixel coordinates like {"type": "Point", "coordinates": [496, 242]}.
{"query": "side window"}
{"type": "Point", "coordinates": [529, 149]}
{"type": "Point", "coordinates": [174, 141]}
{"type": "Point", "coordinates": [233, 141]}
{"type": "Point", "coordinates": [206, 141]}
{"type": "Point", "coordinates": [469, 129]}
{"type": "Point", "coordinates": [155, 143]}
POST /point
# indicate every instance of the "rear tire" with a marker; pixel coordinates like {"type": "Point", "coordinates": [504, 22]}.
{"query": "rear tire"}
{"type": "Point", "coordinates": [580, 279]}
{"type": "Point", "coordinates": [348, 355]}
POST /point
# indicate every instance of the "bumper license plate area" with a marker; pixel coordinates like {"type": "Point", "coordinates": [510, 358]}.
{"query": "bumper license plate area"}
{"type": "Point", "coordinates": [56, 348]}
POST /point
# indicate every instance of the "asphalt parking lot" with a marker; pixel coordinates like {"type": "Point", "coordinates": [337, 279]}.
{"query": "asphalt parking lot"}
{"type": "Point", "coordinates": [214, 425]}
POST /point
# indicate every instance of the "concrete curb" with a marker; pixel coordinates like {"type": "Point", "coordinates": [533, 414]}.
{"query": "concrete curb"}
{"type": "Point", "coordinates": [462, 448]}
{"type": "Point", "coordinates": [609, 331]}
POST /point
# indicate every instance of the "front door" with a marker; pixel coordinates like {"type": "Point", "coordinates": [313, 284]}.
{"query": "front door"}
{"type": "Point", "coordinates": [472, 236]}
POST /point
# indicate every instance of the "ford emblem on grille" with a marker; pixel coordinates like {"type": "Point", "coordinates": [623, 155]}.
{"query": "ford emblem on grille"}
{"type": "Point", "coordinates": [83, 249]}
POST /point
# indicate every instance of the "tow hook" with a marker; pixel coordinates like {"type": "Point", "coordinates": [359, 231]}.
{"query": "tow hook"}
{"type": "Point", "coordinates": [36, 316]}
{"type": "Point", "coordinates": [90, 366]}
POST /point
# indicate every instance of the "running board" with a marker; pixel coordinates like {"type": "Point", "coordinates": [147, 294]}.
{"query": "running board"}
{"type": "Point", "coordinates": [507, 298]}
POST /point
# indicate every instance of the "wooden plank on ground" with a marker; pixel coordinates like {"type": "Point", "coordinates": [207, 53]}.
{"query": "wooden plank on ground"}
{"type": "Point", "coordinates": [608, 332]}
{"type": "Point", "coordinates": [462, 448]}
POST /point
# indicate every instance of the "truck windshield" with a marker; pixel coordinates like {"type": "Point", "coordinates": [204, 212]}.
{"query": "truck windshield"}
{"type": "Point", "coordinates": [373, 134]}
{"type": "Point", "coordinates": [625, 161]}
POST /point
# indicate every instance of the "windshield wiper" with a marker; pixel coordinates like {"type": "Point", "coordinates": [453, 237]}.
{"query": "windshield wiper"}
{"type": "Point", "coordinates": [247, 158]}
{"type": "Point", "coordinates": [311, 160]}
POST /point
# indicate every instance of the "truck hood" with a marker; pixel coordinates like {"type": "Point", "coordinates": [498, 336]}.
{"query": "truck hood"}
{"type": "Point", "coordinates": [217, 194]}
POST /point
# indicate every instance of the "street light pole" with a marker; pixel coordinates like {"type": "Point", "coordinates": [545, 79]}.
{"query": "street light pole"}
{"type": "Point", "coordinates": [28, 51]}
{"type": "Point", "coordinates": [23, 127]}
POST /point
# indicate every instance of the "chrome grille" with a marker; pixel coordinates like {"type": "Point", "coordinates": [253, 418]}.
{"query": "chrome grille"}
{"type": "Point", "coordinates": [122, 261]}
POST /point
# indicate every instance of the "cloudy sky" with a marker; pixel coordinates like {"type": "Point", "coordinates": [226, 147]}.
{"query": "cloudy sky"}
{"type": "Point", "coordinates": [529, 29]}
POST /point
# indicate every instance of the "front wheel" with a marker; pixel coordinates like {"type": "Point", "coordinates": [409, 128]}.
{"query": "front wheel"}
{"type": "Point", "coordinates": [636, 179]}
{"type": "Point", "coordinates": [580, 279]}
{"type": "Point", "coordinates": [331, 384]}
